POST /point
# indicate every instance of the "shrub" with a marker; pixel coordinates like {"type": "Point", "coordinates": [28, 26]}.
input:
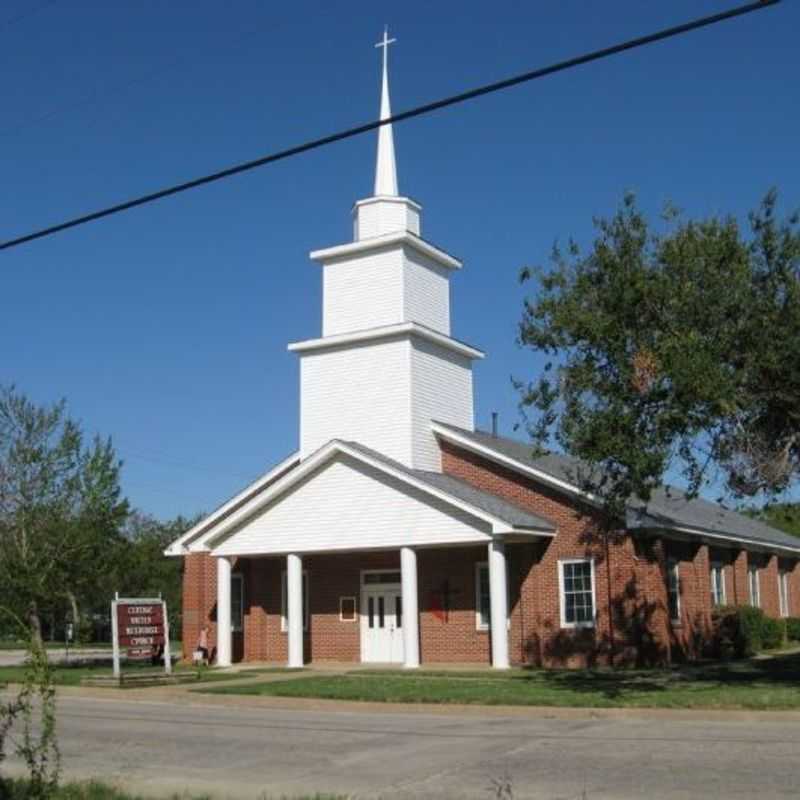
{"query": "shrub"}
{"type": "Point", "coordinates": [793, 628]}
{"type": "Point", "coordinates": [744, 631]}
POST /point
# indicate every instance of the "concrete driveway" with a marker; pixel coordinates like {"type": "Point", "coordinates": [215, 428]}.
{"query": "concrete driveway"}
{"type": "Point", "coordinates": [243, 749]}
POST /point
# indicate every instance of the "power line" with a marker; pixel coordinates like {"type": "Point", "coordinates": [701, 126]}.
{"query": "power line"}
{"type": "Point", "coordinates": [490, 88]}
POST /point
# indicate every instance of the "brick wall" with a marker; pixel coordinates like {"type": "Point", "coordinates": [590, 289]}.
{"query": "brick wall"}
{"type": "Point", "coordinates": [633, 624]}
{"type": "Point", "coordinates": [199, 600]}
{"type": "Point", "coordinates": [629, 582]}
{"type": "Point", "coordinates": [769, 586]}
{"type": "Point", "coordinates": [741, 592]}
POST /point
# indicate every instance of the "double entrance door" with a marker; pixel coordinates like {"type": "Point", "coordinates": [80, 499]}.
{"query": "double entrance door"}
{"type": "Point", "coordinates": [381, 618]}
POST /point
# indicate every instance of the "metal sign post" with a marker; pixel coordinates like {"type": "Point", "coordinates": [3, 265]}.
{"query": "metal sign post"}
{"type": "Point", "coordinates": [115, 634]}
{"type": "Point", "coordinates": [167, 653]}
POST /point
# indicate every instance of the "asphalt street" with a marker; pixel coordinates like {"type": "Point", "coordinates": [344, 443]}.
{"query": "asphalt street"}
{"type": "Point", "coordinates": [248, 751]}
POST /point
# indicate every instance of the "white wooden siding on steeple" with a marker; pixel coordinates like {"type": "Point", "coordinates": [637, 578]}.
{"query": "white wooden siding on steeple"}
{"type": "Point", "coordinates": [385, 365]}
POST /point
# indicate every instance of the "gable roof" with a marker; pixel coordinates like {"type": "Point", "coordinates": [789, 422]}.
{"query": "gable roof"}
{"type": "Point", "coordinates": [513, 515]}
{"type": "Point", "coordinates": [668, 508]}
{"type": "Point", "coordinates": [504, 517]}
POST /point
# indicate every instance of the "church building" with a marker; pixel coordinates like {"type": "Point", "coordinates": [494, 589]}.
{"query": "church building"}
{"type": "Point", "coordinates": [399, 533]}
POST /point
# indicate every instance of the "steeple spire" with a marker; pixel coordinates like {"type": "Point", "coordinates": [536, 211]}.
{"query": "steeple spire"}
{"type": "Point", "coordinates": [385, 167]}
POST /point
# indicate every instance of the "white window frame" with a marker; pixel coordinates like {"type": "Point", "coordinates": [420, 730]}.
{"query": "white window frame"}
{"type": "Point", "coordinates": [562, 602]}
{"type": "Point", "coordinates": [479, 625]}
{"type": "Point", "coordinates": [755, 596]}
{"type": "Point", "coordinates": [237, 626]}
{"type": "Point", "coordinates": [674, 571]}
{"type": "Point", "coordinates": [284, 598]}
{"type": "Point", "coordinates": [783, 592]}
{"type": "Point", "coordinates": [716, 602]}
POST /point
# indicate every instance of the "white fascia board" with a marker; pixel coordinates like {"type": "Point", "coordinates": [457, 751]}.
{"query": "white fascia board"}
{"type": "Point", "coordinates": [723, 537]}
{"type": "Point", "coordinates": [512, 463]}
{"type": "Point", "coordinates": [327, 451]}
{"type": "Point", "coordinates": [383, 332]}
{"type": "Point", "coordinates": [386, 240]}
{"type": "Point", "coordinates": [387, 198]}
{"type": "Point", "coordinates": [181, 545]}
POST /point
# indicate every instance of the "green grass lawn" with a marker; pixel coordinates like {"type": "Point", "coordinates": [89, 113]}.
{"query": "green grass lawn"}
{"type": "Point", "coordinates": [72, 675]}
{"type": "Point", "coordinates": [756, 684]}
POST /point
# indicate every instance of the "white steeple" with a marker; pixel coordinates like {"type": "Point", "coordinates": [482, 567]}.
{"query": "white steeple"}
{"type": "Point", "coordinates": [386, 364]}
{"type": "Point", "coordinates": [385, 166]}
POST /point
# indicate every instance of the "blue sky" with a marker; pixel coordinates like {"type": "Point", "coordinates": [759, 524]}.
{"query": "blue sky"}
{"type": "Point", "coordinates": [166, 327]}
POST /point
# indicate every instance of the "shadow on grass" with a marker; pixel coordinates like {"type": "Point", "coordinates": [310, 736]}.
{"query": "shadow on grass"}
{"type": "Point", "coordinates": [778, 670]}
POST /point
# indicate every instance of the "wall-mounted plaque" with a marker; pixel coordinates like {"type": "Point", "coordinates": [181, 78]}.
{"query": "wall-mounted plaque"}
{"type": "Point", "coordinates": [347, 609]}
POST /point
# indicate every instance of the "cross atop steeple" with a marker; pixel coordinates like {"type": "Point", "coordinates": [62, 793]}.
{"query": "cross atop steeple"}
{"type": "Point", "coordinates": [384, 43]}
{"type": "Point", "coordinates": [385, 166]}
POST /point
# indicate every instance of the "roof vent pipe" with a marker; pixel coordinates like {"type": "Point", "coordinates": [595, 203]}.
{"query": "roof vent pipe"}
{"type": "Point", "coordinates": [494, 424]}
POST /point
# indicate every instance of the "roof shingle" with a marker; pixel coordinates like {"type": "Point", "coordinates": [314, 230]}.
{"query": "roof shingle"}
{"type": "Point", "coordinates": [668, 507]}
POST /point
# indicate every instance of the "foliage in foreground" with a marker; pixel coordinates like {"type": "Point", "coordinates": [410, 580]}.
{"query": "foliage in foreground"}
{"type": "Point", "coordinates": [35, 744]}
{"type": "Point", "coordinates": [678, 349]}
{"type": "Point", "coordinates": [97, 790]}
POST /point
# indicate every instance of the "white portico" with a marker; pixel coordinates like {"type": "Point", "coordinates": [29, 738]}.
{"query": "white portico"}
{"type": "Point", "coordinates": [367, 477]}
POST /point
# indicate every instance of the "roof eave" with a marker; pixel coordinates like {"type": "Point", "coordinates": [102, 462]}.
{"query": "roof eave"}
{"type": "Point", "coordinates": [500, 458]}
{"type": "Point", "coordinates": [387, 240]}
{"type": "Point", "coordinates": [704, 533]}
{"type": "Point", "coordinates": [384, 332]}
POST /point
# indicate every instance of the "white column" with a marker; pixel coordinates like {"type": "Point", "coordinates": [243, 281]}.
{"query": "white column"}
{"type": "Point", "coordinates": [294, 609]}
{"type": "Point", "coordinates": [408, 571]}
{"type": "Point", "coordinates": [224, 633]}
{"type": "Point", "coordinates": [498, 598]}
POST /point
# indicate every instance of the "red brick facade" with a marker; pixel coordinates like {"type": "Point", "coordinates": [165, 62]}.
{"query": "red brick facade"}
{"type": "Point", "coordinates": [632, 611]}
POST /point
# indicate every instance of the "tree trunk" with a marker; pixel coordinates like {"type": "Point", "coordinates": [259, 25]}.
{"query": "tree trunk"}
{"type": "Point", "coordinates": [35, 624]}
{"type": "Point", "coordinates": [76, 618]}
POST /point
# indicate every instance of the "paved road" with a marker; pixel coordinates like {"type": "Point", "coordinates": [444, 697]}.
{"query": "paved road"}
{"type": "Point", "coordinates": [241, 752]}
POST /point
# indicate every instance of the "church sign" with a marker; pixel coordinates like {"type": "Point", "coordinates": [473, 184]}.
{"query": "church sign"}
{"type": "Point", "coordinates": [140, 626]}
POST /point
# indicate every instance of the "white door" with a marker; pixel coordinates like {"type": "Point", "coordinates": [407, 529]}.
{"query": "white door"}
{"type": "Point", "coordinates": [382, 625]}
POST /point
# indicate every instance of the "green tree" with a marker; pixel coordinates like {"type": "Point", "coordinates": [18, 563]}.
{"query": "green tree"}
{"type": "Point", "coordinates": [60, 508]}
{"type": "Point", "coordinates": [148, 572]}
{"type": "Point", "coordinates": [677, 348]}
{"type": "Point", "coordinates": [785, 516]}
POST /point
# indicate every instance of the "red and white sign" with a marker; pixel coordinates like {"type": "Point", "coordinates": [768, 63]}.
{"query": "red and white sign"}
{"type": "Point", "coordinates": [140, 627]}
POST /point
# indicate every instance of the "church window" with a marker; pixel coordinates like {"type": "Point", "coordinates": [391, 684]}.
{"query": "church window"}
{"type": "Point", "coordinates": [576, 585]}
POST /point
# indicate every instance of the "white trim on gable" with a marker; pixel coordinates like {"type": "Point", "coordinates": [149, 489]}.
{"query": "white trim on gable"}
{"type": "Point", "coordinates": [328, 452]}
{"type": "Point", "coordinates": [217, 539]}
{"type": "Point", "coordinates": [181, 546]}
